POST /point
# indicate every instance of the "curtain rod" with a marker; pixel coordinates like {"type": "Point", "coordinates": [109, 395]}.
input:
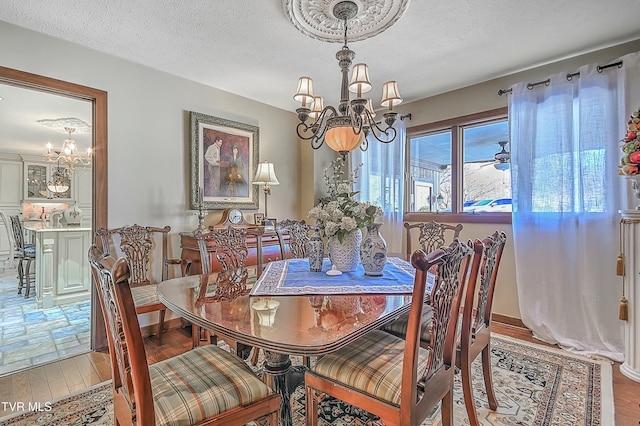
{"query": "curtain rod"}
{"type": "Point", "coordinates": [570, 76]}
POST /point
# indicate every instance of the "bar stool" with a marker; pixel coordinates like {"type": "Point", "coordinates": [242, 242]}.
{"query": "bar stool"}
{"type": "Point", "coordinates": [25, 253]}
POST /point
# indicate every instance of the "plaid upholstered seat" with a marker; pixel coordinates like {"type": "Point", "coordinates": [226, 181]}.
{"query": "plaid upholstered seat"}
{"type": "Point", "coordinates": [200, 384]}
{"type": "Point", "coordinates": [372, 364]}
{"type": "Point", "coordinates": [145, 295]}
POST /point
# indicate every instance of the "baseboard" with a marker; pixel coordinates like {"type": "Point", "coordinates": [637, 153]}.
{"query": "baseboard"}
{"type": "Point", "coordinates": [151, 329]}
{"type": "Point", "coordinates": [503, 319]}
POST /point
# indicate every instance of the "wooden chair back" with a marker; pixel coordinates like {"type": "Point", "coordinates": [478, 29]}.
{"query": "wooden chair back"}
{"type": "Point", "coordinates": [130, 371]}
{"type": "Point", "coordinates": [475, 335]}
{"type": "Point", "coordinates": [444, 300]}
{"type": "Point", "coordinates": [431, 235]}
{"type": "Point", "coordinates": [231, 252]}
{"type": "Point", "coordinates": [137, 244]}
{"type": "Point", "coordinates": [299, 236]}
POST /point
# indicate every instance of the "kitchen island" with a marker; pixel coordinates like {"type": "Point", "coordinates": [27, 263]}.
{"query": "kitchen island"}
{"type": "Point", "coordinates": [61, 264]}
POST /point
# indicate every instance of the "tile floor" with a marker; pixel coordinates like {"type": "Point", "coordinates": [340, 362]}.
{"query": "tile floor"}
{"type": "Point", "coordinates": [30, 336]}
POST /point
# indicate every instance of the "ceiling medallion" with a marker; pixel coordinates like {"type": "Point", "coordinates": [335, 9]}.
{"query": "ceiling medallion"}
{"type": "Point", "coordinates": [61, 124]}
{"type": "Point", "coordinates": [316, 19]}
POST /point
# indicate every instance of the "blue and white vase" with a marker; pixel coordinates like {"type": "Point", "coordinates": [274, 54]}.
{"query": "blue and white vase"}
{"type": "Point", "coordinates": [315, 252]}
{"type": "Point", "coordinates": [373, 251]}
{"type": "Point", "coordinates": [345, 255]}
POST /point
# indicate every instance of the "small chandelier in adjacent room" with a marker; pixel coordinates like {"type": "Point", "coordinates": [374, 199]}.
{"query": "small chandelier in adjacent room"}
{"type": "Point", "coordinates": [502, 158]}
{"type": "Point", "coordinates": [345, 128]}
{"type": "Point", "coordinates": [60, 182]}
{"type": "Point", "coordinates": [68, 157]}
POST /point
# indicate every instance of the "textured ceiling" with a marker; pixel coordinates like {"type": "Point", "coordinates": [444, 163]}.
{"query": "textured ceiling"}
{"type": "Point", "coordinates": [250, 48]}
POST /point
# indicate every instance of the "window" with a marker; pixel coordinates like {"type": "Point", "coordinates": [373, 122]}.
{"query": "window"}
{"type": "Point", "coordinates": [454, 169]}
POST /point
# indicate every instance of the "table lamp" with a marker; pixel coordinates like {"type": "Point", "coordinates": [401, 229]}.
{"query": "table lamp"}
{"type": "Point", "coordinates": [265, 176]}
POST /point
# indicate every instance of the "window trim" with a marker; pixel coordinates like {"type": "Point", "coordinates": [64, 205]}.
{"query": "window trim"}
{"type": "Point", "coordinates": [454, 125]}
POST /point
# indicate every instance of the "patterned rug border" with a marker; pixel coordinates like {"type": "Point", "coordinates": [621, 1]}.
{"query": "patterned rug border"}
{"type": "Point", "coordinates": [607, 408]}
{"type": "Point", "coordinates": [82, 393]}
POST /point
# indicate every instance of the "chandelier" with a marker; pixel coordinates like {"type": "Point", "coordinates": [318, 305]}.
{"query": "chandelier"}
{"type": "Point", "coordinates": [68, 157]}
{"type": "Point", "coordinates": [346, 128]}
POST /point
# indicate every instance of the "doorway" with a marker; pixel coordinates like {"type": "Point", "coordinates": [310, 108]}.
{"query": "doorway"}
{"type": "Point", "coordinates": [98, 101]}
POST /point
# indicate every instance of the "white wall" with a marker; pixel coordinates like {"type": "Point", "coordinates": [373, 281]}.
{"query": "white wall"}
{"type": "Point", "coordinates": [148, 130]}
{"type": "Point", "coordinates": [484, 97]}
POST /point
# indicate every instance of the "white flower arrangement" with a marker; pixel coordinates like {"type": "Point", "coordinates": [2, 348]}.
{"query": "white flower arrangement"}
{"type": "Point", "coordinates": [339, 213]}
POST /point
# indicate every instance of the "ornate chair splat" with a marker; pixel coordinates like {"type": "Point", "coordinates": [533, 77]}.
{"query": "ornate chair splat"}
{"type": "Point", "coordinates": [431, 234]}
{"type": "Point", "coordinates": [298, 237]}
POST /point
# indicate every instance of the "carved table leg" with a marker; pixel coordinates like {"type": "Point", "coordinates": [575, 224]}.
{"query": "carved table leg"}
{"type": "Point", "coordinates": [283, 379]}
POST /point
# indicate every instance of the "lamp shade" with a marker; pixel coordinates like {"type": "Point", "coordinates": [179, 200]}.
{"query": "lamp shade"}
{"type": "Point", "coordinates": [390, 95]}
{"type": "Point", "coordinates": [265, 175]}
{"type": "Point", "coordinates": [317, 107]}
{"type": "Point", "coordinates": [501, 166]}
{"type": "Point", "coordinates": [369, 107]}
{"type": "Point", "coordinates": [304, 93]}
{"type": "Point", "coordinates": [360, 82]}
{"type": "Point", "coordinates": [343, 138]}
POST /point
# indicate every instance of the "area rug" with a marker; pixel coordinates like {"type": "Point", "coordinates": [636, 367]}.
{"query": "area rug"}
{"type": "Point", "coordinates": [535, 385]}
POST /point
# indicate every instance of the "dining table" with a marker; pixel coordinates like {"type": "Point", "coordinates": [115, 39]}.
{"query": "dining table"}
{"type": "Point", "coordinates": [312, 322]}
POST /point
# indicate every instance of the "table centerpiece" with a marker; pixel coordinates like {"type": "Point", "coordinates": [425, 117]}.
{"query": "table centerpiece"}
{"type": "Point", "coordinates": [340, 217]}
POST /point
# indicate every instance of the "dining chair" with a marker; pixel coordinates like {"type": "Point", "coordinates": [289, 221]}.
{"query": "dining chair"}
{"type": "Point", "coordinates": [299, 236]}
{"type": "Point", "coordinates": [25, 253]}
{"type": "Point", "coordinates": [393, 378]}
{"type": "Point", "coordinates": [431, 235]}
{"type": "Point", "coordinates": [137, 245]}
{"type": "Point", "coordinates": [231, 252]}
{"type": "Point", "coordinates": [206, 385]}
{"type": "Point", "coordinates": [475, 336]}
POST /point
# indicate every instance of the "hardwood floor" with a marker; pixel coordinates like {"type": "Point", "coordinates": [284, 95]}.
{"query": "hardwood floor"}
{"type": "Point", "coordinates": [70, 375]}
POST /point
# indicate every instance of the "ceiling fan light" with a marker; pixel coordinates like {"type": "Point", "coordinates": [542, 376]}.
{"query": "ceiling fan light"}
{"type": "Point", "coordinates": [501, 165]}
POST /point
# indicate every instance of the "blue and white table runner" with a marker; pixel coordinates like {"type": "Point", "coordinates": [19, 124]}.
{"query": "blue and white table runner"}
{"type": "Point", "coordinates": [292, 277]}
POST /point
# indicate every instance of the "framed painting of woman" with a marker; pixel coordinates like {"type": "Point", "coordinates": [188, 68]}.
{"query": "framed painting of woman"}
{"type": "Point", "coordinates": [224, 154]}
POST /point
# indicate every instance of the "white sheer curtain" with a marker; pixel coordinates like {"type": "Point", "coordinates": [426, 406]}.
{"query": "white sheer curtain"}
{"type": "Point", "coordinates": [382, 182]}
{"type": "Point", "coordinates": [565, 147]}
